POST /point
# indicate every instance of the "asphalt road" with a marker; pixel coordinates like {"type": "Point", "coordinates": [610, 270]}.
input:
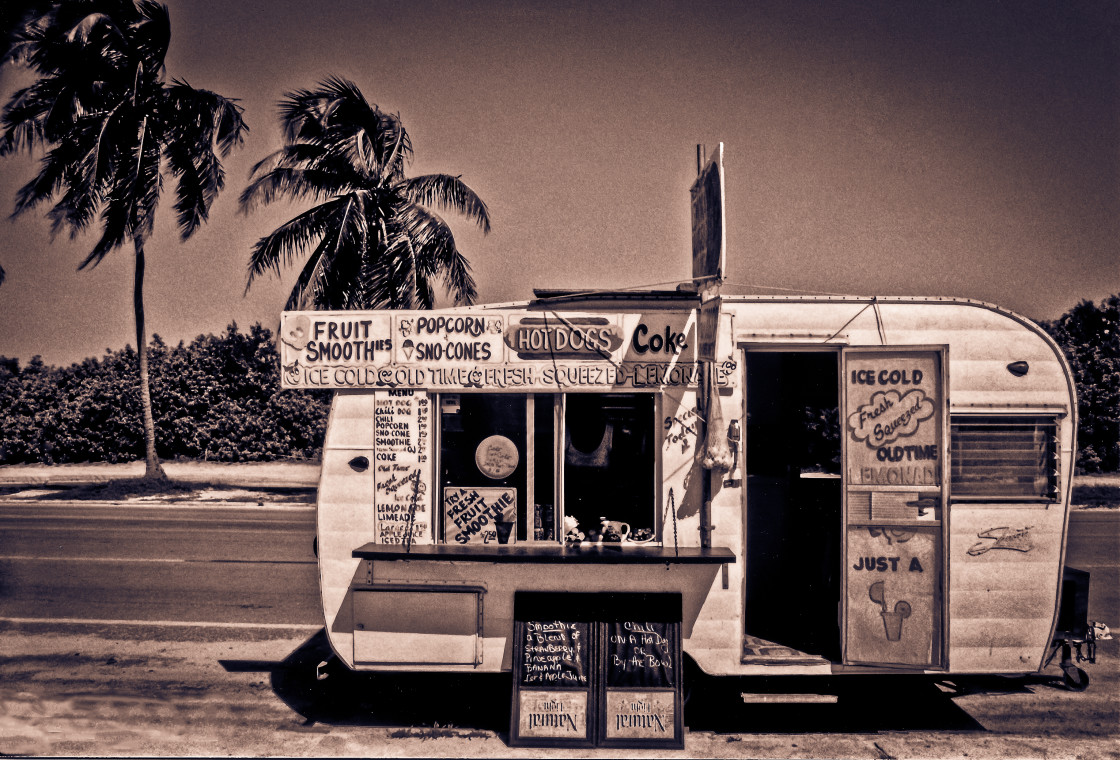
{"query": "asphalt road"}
{"type": "Point", "coordinates": [195, 629]}
{"type": "Point", "coordinates": [175, 563]}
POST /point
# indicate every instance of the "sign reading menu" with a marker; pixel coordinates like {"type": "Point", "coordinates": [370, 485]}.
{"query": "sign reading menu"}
{"type": "Point", "coordinates": [402, 466]}
{"type": "Point", "coordinates": [597, 670]}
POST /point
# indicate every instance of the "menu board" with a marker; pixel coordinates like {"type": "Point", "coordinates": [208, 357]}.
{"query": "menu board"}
{"type": "Point", "coordinates": [641, 703]}
{"type": "Point", "coordinates": [402, 466]}
{"type": "Point", "coordinates": [895, 407]}
{"type": "Point", "coordinates": [640, 654]}
{"type": "Point", "coordinates": [555, 653]}
{"type": "Point", "coordinates": [588, 672]}
{"type": "Point", "coordinates": [554, 662]}
{"type": "Point", "coordinates": [894, 402]}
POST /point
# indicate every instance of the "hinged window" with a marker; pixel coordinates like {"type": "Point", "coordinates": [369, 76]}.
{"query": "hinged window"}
{"type": "Point", "coordinates": [1004, 456]}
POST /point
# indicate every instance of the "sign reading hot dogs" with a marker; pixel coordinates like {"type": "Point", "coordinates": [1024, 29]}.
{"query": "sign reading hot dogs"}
{"type": "Point", "coordinates": [543, 337]}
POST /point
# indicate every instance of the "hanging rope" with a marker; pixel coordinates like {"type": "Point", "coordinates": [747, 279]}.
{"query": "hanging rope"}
{"type": "Point", "coordinates": [415, 478]}
{"type": "Point", "coordinates": [673, 512]}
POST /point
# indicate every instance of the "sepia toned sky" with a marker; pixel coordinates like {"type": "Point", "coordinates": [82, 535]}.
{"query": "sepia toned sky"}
{"type": "Point", "coordinates": [878, 147]}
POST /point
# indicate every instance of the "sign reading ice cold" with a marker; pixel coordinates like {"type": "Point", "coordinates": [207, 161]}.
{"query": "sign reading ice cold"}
{"type": "Point", "coordinates": [894, 402]}
{"type": "Point", "coordinates": [402, 443]}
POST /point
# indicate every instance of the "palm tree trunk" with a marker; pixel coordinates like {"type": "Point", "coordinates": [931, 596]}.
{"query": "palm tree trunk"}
{"type": "Point", "coordinates": [152, 468]}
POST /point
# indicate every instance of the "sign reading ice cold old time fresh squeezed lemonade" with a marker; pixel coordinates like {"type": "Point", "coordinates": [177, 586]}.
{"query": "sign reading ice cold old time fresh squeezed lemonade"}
{"type": "Point", "coordinates": [894, 420]}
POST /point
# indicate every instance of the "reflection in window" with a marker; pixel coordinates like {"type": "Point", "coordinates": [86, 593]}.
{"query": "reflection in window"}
{"type": "Point", "coordinates": [609, 464]}
{"type": "Point", "coordinates": [1004, 456]}
{"type": "Point", "coordinates": [500, 455]}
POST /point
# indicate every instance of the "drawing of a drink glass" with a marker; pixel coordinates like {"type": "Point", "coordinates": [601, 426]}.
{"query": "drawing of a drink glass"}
{"type": "Point", "coordinates": [892, 620]}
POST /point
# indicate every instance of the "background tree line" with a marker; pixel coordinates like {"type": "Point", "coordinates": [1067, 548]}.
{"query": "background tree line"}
{"type": "Point", "coordinates": [219, 398]}
{"type": "Point", "coordinates": [216, 398]}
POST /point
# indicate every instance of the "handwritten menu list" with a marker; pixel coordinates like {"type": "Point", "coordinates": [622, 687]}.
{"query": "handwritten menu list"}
{"type": "Point", "coordinates": [641, 701]}
{"type": "Point", "coordinates": [555, 653]}
{"type": "Point", "coordinates": [639, 654]}
{"type": "Point", "coordinates": [402, 446]}
{"type": "Point", "coordinates": [594, 675]}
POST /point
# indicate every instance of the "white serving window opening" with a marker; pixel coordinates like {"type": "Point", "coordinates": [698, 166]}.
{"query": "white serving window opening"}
{"type": "Point", "coordinates": [528, 467]}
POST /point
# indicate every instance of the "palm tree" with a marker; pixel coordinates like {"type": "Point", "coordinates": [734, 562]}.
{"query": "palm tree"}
{"type": "Point", "coordinates": [375, 241]}
{"type": "Point", "coordinates": [110, 123]}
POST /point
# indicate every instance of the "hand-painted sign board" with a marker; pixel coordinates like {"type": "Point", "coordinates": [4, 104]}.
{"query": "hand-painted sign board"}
{"type": "Point", "coordinates": [709, 236]}
{"type": "Point", "coordinates": [516, 351]}
{"type": "Point", "coordinates": [597, 670]}
{"type": "Point", "coordinates": [894, 436]}
{"type": "Point", "coordinates": [402, 466]}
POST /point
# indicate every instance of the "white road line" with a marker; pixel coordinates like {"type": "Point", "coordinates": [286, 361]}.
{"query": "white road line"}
{"type": "Point", "coordinates": [163, 623]}
{"type": "Point", "coordinates": [37, 558]}
{"type": "Point", "coordinates": [32, 558]}
{"type": "Point", "coordinates": [224, 506]}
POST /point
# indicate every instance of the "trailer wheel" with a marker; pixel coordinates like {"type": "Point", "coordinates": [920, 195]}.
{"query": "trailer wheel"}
{"type": "Point", "coordinates": [1074, 678]}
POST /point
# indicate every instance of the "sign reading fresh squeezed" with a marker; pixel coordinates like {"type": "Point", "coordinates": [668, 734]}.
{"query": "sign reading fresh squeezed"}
{"type": "Point", "coordinates": [494, 350]}
{"type": "Point", "coordinates": [893, 423]}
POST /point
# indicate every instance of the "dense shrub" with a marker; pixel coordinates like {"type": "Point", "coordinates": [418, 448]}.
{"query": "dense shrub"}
{"type": "Point", "coordinates": [217, 398]}
{"type": "Point", "coordinates": [1090, 336]}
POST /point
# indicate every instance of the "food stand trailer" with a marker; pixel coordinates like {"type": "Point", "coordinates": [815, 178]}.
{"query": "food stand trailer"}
{"type": "Point", "coordinates": [783, 485]}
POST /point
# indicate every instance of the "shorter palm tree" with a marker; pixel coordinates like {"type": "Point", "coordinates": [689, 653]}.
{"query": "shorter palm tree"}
{"type": "Point", "coordinates": [375, 241]}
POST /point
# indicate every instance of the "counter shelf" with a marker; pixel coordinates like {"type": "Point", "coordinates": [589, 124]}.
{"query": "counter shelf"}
{"type": "Point", "coordinates": [595, 554]}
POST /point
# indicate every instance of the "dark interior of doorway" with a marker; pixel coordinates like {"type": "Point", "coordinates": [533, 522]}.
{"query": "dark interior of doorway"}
{"type": "Point", "coordinates": [793, 521]}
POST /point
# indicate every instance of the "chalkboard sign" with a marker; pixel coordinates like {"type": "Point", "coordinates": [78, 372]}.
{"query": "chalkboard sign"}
{"type": "Point", "coordinates": [640, 703]}
{"type": "Point", "coordinates": [555, 653]}
{"type": "Point", "coordinates": [554, 670]}
{"type": "Point", "coordinates": [597, 670]}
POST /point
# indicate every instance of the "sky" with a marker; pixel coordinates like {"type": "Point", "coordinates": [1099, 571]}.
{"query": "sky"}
{"type": "Point", "coordinates": [964, 148]}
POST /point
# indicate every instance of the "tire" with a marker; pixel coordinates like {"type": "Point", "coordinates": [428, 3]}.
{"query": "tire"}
{"type": "Point", "coordinates": [1075, 679]}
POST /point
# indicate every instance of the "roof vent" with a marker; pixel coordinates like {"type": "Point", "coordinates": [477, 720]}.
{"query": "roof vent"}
{"type": "Point", "coordinates": [1018, 369]}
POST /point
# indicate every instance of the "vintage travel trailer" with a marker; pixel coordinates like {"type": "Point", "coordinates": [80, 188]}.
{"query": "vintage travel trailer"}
{"type": "Point", "coordinates": [793, 485]}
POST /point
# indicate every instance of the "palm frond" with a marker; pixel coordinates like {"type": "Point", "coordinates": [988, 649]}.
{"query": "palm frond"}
{"type": "Point", "coordinates": [280, 247]}
{"type": "Point", "coordinates": [435, 256]}
{"type": "Point", "coordinates": [202, 127]}
{"type": "Point", "coordinates": [448, 192]}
